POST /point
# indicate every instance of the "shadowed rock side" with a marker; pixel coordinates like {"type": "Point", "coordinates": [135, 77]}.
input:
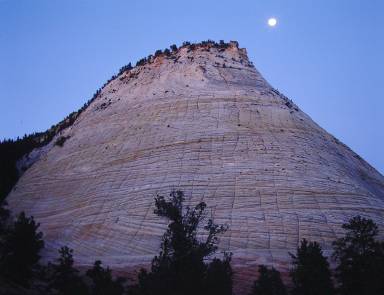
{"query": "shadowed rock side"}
{"type": "Point", "coordinates": [206, 122]}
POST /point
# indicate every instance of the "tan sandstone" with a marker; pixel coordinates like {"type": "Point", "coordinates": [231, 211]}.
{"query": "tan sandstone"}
{"type": "Point", "coordinates": [221, 134]}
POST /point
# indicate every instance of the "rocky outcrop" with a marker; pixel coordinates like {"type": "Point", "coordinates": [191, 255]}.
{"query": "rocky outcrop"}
{"type": "Point", "coordinates": [201, 119]}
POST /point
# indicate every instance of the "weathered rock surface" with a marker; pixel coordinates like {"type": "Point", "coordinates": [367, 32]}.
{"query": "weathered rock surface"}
{"type": "Point", "coordinates": [206, 122]}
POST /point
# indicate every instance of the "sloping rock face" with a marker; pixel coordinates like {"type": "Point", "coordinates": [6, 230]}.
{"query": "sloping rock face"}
{"type": "Point", "coordinates": [202, 120]}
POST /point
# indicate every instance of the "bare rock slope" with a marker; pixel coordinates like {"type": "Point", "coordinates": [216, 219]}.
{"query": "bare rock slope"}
{"type": "Point", "coordinates": [202, 120]}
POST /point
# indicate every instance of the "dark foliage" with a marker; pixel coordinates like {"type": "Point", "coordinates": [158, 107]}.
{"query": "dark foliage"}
{"type": "Point", "coordinates": [180, 267]}
{"type": "Point", "coordinates": [102, 281]}
{"type": "Point", "coordinates": [310, 274]}
{"type": "Point", "coordinates": [173, 48]}
{"type": "Point", "coordinates": [208, 42]}
{"type": "Point", "coordinates": [61, 140]}
{"type": "Point", "coordinates": [4, 215]}
{"type": "Point", "coordinates": [218, 280]}
{"type": "Point", "coordinates": [192, 47]}
{"type": "Point", "coordinates": [158, 52]}
{"type": "Point", "coordinates": [63, 278]}
{"type": "Point", "coordinates": [19, 250]}
{"type": "Point", "coordinates": [360, 259]}
{"type": "Point", "coordinates": [141, 62]}
{"type": "Point", "coordinates": [125, 68]}
{"type": "Point", "coordinates": [268, 283]}
{"type": "Point", "coordinates": [10, 152]}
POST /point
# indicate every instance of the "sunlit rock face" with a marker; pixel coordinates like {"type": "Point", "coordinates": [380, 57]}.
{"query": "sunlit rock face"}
{"type": "Point", "coordinates": [204, 121]}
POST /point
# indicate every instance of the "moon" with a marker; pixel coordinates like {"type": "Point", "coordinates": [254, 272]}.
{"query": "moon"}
{"type": "Point", "coordinates": [272, 22]}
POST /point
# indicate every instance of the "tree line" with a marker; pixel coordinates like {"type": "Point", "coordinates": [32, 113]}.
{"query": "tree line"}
{"type": "Point", "coordinates": [189, 263]}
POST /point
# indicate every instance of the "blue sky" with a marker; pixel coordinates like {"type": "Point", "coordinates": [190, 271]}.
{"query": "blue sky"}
{"type": "Point", "coordinates": [326, 55]}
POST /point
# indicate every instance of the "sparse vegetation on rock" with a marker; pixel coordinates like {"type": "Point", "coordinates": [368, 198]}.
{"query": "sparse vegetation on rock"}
{"type": "Point", "coordinates": [61, 140]}
{"type": "Point", "coordinates": [125, 68]}
{"type": "Point", "coordinates": [173, 48]}
{"type": "Point", "coordinates": [158, 52]}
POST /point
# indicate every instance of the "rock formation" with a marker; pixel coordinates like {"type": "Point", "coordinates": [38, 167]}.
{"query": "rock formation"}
{"type": "Point", "coordinates": [203, 120]}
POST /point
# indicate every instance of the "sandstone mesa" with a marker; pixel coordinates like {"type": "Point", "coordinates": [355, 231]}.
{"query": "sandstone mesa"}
{"type": "Point", "coordinates": [202, 120]}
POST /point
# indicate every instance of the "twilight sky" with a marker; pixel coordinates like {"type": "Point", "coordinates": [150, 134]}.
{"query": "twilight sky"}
{"type": "Point", "coordinates": [326, 55]}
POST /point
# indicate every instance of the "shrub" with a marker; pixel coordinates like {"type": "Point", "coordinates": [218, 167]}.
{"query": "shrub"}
{"type": "Point", "coordinates": [61, 140]}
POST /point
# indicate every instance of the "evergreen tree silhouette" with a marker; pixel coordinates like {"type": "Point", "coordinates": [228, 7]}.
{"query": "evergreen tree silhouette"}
{"type": "Point", "coordinates": [102, 281]}
{"type": "Point", "coordinates": [360, 259]}
{"type": "Point", "coordinates": [311, 274]}
{"type": "Point", "coordinates": [19, 249]}
{"type": "Point", "coordinates": [64, 279]}
{"type": "Point", "coordinates": [218, 280]}
{"type": "Point", "coordinates": [268, 283]}
{"type": "Point", "coordinates": [180, 267]}
{"type": "Point", "coordinates": [173, 48]}
{"type": "Point", "coordinates": [4, 216]}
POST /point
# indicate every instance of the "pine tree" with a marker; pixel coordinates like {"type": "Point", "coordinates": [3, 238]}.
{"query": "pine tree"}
{"type": "Point", "coordinates": [218, 279]}
{"type": "Point", "coordinates": [311, 274]}
{"type": "Point", "coordinates": [268, 283]}
{"type": "Point", "coordinates": [158, 52]}
{"type": "Point", "coordinates": [4, 216]}
{"type": "Point", "coordinates": [173, 48]}
{"type": "Point", "coordinates": [19, 249]}
{"type": "Point", "coordinates": [64, 279]}
{"type": "Point", "coordinates": [360, 259]}
{"type": "Point", "coordinates": [180, 267]}
{"type": "Point", "coordinates": [102, 281]}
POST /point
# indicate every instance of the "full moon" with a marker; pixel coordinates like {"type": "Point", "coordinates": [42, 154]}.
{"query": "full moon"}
{"type": "Point", "coordinates": [272, 22]}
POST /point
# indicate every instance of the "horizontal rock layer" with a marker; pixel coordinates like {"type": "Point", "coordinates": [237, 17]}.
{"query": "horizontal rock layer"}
{"type": "Point", "coordinates": [206, 122]}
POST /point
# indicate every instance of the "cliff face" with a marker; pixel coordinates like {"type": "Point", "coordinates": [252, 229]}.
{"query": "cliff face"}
{"type": "Point", "coordinates": [204, 121]}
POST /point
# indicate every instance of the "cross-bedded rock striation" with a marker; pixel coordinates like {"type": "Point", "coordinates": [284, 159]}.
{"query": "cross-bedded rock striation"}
{"type": "Point", "coordinates": [203, 120]}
